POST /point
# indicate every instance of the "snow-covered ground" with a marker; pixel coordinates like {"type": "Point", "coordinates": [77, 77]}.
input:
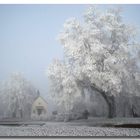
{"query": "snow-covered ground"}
{"type": "Point", "coordinates": [62, 129]}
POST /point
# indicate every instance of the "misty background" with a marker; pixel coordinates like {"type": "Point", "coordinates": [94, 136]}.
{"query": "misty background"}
{"type": "Point", "coordinates": [28, 37]}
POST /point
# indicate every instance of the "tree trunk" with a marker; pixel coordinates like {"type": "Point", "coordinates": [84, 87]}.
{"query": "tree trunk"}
{"type": "Point", "coordinates": [110, 100]}
{"type": "Point", "coordinates": [21, 113]}
{"type": "Point", "coordinates": [111, 106]}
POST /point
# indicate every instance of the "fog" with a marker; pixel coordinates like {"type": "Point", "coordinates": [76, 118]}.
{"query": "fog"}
{"type": "Point", "coordinates": [28, 38]}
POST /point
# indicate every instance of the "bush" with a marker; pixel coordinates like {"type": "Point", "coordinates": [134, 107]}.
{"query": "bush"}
{"type": "Point", "coordinates": [60, 117]}
{"type": "Point", "coordinates": [34, 117]}
{"type": "Point", "coordinates": [42, 117]}
{"type": "Point", "coordinates": [85, 114]}
{"type": "Point", "coordinates": [54, 113]}
{"type": "Point", "coordinates": [76, 116]}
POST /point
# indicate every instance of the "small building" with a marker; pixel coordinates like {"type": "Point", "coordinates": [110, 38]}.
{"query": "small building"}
{"type": "Point", "coordinates": [39, 108]}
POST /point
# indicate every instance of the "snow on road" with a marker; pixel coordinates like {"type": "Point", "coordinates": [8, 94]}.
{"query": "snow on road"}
{"type": "Point", "coordinates": [66, 130]}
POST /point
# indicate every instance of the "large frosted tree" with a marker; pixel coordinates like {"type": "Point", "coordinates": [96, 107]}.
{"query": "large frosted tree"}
{"type": "Point", "coordinates": [101, 54]}
{"type": "Point", "coordinates": [17, 95]}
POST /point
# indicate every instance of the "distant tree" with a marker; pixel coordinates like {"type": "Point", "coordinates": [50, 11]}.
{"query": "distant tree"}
{"type": "Point", "coordinates": [100, 54]}
{"type": "Point", "coordinates": [17, 94]}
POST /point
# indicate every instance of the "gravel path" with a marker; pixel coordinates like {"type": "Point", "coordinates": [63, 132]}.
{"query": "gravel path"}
{"type": "Point", "coordinates": [66, 130]}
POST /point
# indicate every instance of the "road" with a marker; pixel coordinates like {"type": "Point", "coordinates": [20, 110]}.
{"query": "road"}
{"type": "Point", "coordinates": [65, 129]}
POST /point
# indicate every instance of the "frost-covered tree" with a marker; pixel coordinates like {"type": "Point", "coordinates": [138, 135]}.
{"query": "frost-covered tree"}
{"type": "Point", "coordinates": [63, 86]}
{"type": "Point", "coordinates": [17, 95]}
{"type": "Point", "coordinates": [101, 52]}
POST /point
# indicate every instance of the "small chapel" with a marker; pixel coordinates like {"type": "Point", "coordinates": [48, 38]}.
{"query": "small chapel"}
{"type": "Point", "coordinates": [39, 108]}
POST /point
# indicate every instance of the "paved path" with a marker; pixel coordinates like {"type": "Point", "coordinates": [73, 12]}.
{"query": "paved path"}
{"type": "Point", "coordinates": [52, 129]}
